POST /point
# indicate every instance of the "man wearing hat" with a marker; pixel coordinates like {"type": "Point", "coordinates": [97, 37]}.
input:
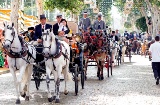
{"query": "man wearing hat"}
{"type": "Point", "coordinates": [40, 27]}
{"type": "Point", "coordinates": [85, 22]}
{"type": "Point", "coordinates": [114, 36]}
{"type": "Point", "coordinates": [38, 34]}
{"type": "Point", "coordinates": [126, 35]}
{"type": "Point", "coordinates": [99, 24]}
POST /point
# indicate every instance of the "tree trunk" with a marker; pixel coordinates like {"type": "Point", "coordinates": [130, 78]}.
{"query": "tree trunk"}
{"type": "Point", "coordinates": [14, 13]}
{"type": "Point", "coordinates": [39, 7]}
{"type": "Point", "coordinates": [155, 12]}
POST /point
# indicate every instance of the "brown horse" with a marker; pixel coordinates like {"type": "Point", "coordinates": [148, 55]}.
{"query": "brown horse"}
{"type": "Point", "coordinates": [99, 54]}
{"type": "Point", "coordinates": [136, 46]}
{"type": "Point", "coordinates": [148, 46]}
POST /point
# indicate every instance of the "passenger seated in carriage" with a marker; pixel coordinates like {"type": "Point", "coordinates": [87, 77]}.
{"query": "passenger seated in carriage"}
{"type": "Point", "coordinates": [99, 25]}
{"type": "Point", "coordinates": [63, 27]}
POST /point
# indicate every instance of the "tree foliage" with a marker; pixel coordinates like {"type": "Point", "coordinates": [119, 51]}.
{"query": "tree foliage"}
{"type": "Point", "coordinates": [75, 6]}
{"type": "Point", "coordinates": [127, 25]}
{"type": "Point", "coordinates": [141, 24]}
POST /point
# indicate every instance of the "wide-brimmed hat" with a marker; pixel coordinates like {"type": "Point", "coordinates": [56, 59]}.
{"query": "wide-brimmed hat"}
{"type": "Point", "coordinates": [99, 14]}
{"type": "Point", "coordinates": [85, 12]}
{"type": "Point", "coordinates": [59, 15]}
{"type": "Point", "coordinates": [42, 17]}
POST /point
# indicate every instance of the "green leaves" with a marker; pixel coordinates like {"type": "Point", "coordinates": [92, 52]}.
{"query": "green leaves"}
{"type": "Point", "coordinates": [127, 25]}
{"type": "Point", "coordinates": [141, 24]}
{"type": "Point", "coordinates": [75, 6]}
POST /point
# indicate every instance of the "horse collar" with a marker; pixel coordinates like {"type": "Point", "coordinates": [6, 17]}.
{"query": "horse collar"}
{"type": "Point", "coordinates": [16, 54]}
{"type": "Point", "coordinates": [58, 52]}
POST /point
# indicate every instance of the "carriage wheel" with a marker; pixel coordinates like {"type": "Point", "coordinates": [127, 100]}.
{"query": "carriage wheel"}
{"type": "Point", "coordinates": [129, 56]}
{"type": "Point", "coordinates": [37, 83]}
{"type": "Point", "coordinates": [111, 64]}
{"type": "Point", "coordinates": [36, 75]}
{"type": "Point", "coordinates": [76, 78]}
{"type": "Point", "coordinates": [82, 79]}
{"type": "Point", "coordinates": [108, 62]}
{"type": "Point", "coordinates": [118, 60]}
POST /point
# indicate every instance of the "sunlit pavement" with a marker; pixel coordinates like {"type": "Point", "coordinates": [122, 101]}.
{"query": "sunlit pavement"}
{"type": "Point", "coordinates": [131, 84]}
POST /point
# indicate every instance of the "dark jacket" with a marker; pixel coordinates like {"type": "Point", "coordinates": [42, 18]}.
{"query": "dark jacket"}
{"type": "Point", "coordinates": [56, 27]}
{"type": "Point", "coordinates": [116, 37]}
{"type": "Point", "coordinates": [38, 31]}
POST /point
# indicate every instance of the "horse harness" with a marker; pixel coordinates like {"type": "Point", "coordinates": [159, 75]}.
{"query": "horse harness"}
{"type": "Point", "coordinates": [58, 52]}
{"type": "Point", "coordinates": [20, 54]}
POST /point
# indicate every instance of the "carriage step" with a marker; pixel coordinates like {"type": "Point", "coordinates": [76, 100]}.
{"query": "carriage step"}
{"type": "Point", "coordinates": [92, 65]}
{"type": "Point", "coordinates": [91, 61]}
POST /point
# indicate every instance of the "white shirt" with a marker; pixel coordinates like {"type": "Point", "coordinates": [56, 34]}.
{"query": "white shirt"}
{"type": "Point", "coordinates": [43, 25]}
{"type": "Point", "coordinates": [61, 26]}
{"type": "Point", "coordinates": [155, 51]}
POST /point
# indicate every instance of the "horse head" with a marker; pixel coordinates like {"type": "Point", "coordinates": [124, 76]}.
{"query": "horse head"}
{"type": "Point", "coordinates": [86, 37]}
{"type": "Point", "coordinates": [98, 33]}
{"type": "Point", "coordinates": [9, 34]}
{"type": "Point", "coordinates": [47, 36]}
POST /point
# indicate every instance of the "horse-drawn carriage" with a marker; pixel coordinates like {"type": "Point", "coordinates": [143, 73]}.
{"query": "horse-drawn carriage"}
{"type": "Point", "coordinates": [75, 65]}
{"type": "Point", "coordinates": [96, 49]}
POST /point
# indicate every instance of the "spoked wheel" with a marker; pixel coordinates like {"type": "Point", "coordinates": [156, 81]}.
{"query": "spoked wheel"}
{"type": "Point", "coordinates": [118, 60]}
{"type": "Point", "coordinates": [37, 83]}
{"type": "Point", "coordinates": [108, 64]}
{"type": "Point", "coordinates": [76, 78]}
{"type": "Point", "coordinates": [82, 79]}
{"type": "Point", "coordinates": [130, 56]}
{"type": "Point", "coordinates": [36, 76]}
{"type": "Point", "coordinates": [111, 64]}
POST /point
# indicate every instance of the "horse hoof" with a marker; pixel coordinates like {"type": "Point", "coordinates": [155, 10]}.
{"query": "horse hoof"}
{"type": "Point", "coordinates": [57, 101]}
{"type": "Point", "coordinates": [18, 101]}
{"type": "Point", "coordinates": [50, 99]}
{"type": "Point", "coordinates": [85, 77]}
{"type": "Point", "coordinates": [65, 92]}
{"type": "Point", "coordinates": [23, 95]}
{"type": "Point", "coordinates": [102, 78]}
{"type": "Point", "coordinates": [54, 97]}
{"type": "Point", "coordinates": [27, 98]}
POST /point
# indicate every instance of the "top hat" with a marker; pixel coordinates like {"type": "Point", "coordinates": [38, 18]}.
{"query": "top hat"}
{"type": "Point", "coordinates": [30, 28]}
{"type": "Point", "coordinates": [42, 17]}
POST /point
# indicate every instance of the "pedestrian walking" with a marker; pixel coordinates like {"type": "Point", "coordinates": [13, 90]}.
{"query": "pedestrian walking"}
{"type": "Point", "coordinates": [155, 54]}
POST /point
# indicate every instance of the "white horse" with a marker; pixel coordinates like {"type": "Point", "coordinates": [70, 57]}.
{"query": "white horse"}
{"type": "Point", "coordinates": [123, 51]}
{"type": "Point", "coordinates": [114, 46]}
{"type": "Point", "coordinates": [57, 55]}
{"type": "Point", "coordinates": [19, 57]}
{"type": "Point", "coordinates": [123, 47]}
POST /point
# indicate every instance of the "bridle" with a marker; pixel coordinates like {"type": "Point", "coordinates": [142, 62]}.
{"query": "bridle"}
{"type": "Point", "coordinates": [45, 34]}
{"type": "Point", "coordinates": [13, 34]}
